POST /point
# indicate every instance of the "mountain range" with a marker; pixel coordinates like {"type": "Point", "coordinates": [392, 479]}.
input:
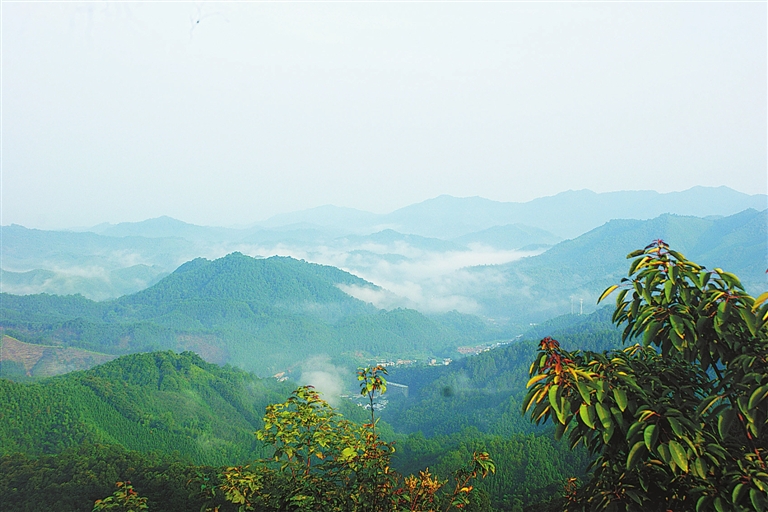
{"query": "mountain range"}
{"type": "Point", "coordinates": [272, 315]}
{"type": "Point", "coordinates": [266, 315]}
{"type": "Point", "coordinates": [399, 251]}
{"type": "Point", "coordinates": [433, 283]}
{"type": "Point", "coordinates": [572, 274]}
{"type": "Point", "coordinates": [565, 215]}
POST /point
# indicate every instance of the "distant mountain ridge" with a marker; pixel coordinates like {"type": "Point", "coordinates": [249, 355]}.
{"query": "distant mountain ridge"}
{"type": "Point", "coordinates": [166, 227]}
{"type": "Point", "coordinates": [567, 214]}
{"type": "Point", "coordinates": [509, 237]}
{"type": "Point", "coordinates": [409, 251]}
{"type": "Point", "coordinates": [540, 287]}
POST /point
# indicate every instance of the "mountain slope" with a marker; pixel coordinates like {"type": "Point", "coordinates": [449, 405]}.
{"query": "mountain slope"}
{"type": "Point", "coordinates": [539, 287]}
{"type": "Point", "coordinates": [388, 237]}
{"type": "Point", "coordinates": [567, 214]}
{"type": "Point", "coordinates": [135, 255]}
{"type": "Point", "coordinates": [266, 315]}
{"type": "Point", "coordinates": [158, 401]}
{"type": "Point", "coordinates": [26, 249]}
{"type": "Point", "coordinates": [22, 361]}
{"type": "Point", "coordinates": [167, 227]}
{"type": "Point", "coordinates": [485, 391]}
{"type": "Point", "coordinates": [271, 281]}
{"type": "Point", "coordinates": [509, 237]}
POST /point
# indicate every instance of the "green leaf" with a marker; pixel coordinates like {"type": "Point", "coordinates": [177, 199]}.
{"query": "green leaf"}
{"type": "Point", "coordinates": [731, 279]}
{"type": "Point", "coordinates": [604, 415]}
{"type": "Point", "coordinates": [554, 399]}
{"type": "Point", "coordinates": [738, 493]}
{"type": "Point", "coordinates": [559, 431]}
{"type": "Point", "coordinates": [607, 292]}
{"type": "Point", "coordinates": [584, 392]}
{"type": "Point", "coordinates": [563, 412]}
{"type": "Point", "coordinates": [651, 330]}
{"type": "Point", "coordinates": [637, 451]}
{"type": "Point", "coordinates": [634, 428]}
{"type": "Point", "coordinates": [668, 290]}
{"type": "Point", "coordinates": [587, 414]}
{"type": "Point", "coordinates": [758, 396]}
{"type": "Point", "coordinates": [676, 427]}
{"type": "Point", "coordinates": [608, 433]}
{"type": "Point", "coordinates": [621, 398]}
{"type": "Point", "coordinates": [704, 278]}
{"type": "Point", "coordinates": [700, 465]}
{"type": "Point", "coordinates": [527, 402]}
{"type": "Point", "coordinates": [677, 325]}
{"type": "Point", "coordinates": [664, 453]}
{"type": "Point", "coordinates": [638, 263]}
{"type": "Point", "coordinates": [650, 435]}
{"type": "Point", "coordinates": [749, 319]}
{"type": "Point", "coordinates": [702, 503]}
{"type": "Point", "coordinates": [723, 311]}
{"type": "Point", "coordinates": [536, 378]}
{"type": "Point", "coordinates": [706, 404]}
{"type": "Point", "coordinates": [724, 422]}
{"type": "Point", "coordinates": [757, 498]}
{"type": "Point", "coordinates": [763, 297]}
{"type": "Point", "coordinates": [676, 255]}
{"type": "Point", "coordinates": [679, 455]}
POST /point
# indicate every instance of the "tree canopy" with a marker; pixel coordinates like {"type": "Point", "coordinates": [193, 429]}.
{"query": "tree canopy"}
{"type": "Point", "coordinates": [677, 421]}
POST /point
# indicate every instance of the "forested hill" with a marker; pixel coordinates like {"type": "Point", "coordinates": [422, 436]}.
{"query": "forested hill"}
{"type": "Point", "coordinates": [165, 403]}
{"type": "Point", "coordinates": [153, 418]}
{"type": "Point", "coordinates": [540, 287]}
{"type": "Point", "coordinates": [485, 391]}
{"type": "Point", "coordinates": [265, 315]}
{"type": "Point", "coordinates": [159, 401]}
{"type": "Point", "coordinates": [263, 282]}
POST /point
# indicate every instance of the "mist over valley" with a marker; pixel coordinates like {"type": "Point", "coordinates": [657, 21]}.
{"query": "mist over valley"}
{"type": "Point", "coordinates": [383, 293]}
{"type": "Point", "coordinates": [383, 256]}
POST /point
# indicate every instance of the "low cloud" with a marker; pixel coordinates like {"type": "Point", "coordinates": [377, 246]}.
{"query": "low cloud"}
{"type": "Point", "coordinates": [431, 282]}
{"type": "Point", "coordinates": [331, 380]}
{"type": "Point", "coordinates": [408, 276]}
{"type": "Point", "coordinates": [381, 298]}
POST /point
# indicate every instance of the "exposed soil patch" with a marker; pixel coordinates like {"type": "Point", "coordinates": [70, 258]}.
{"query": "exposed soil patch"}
{"type": "Point", "coordinates": [46, 361]}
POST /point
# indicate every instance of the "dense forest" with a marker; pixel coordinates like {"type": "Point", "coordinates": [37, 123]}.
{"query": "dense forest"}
{"type": "Point", "coordinates": [158, 401]}
{"type": "Point", "coordinates": [237, 309]}
{"type": "Point", "coordinates": [179, 415]}
{"type": "Point", "coordinates": [571, 415]}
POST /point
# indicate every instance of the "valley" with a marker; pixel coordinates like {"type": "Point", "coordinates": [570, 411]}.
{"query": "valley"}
{"type": "Point", "coordinates": [216, 324]}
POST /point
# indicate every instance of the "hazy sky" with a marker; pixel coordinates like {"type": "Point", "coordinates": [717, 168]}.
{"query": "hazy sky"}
{"type": "Point", "coordinates": [227, 113]}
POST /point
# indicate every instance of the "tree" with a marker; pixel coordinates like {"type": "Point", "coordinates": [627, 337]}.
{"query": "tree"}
{"type": "Point", "coordinates": [323, 462]}
{"type": "Point", "coordinates": [124, 499]}
{"type": "Point", "coordinates": [678, 421]}
{"type": "Point", "coordinates": [372, 382]}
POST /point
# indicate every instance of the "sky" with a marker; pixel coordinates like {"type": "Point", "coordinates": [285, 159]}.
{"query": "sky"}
{"type": "Point", "coordinates": [221, 113]}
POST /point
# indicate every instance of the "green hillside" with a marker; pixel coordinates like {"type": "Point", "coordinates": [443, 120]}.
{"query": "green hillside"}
{"type": "Point", "coordinates": [35, 248]}
{"type": "Point", "coordinates": [540, 287]}
{"type": "Point", "coordinates": [265, 315]}
{"type": "Point", "coordinates": [485, 391]}
{"type": "Point", "coordinates": [161, 419]}
{"type": "Point", "coordinates": [160, 401]}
